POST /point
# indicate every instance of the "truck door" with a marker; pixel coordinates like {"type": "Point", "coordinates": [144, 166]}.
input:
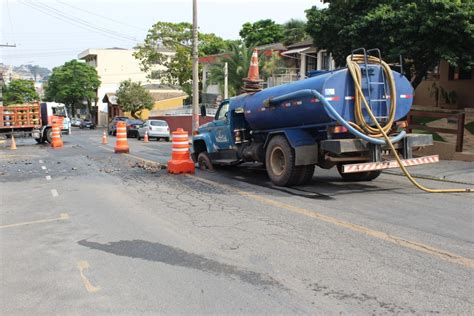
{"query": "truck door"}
{"type": "Point", "coordinates": [220, 129]}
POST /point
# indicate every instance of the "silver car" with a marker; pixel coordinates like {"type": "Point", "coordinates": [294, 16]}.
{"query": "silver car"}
{"type": "Point", "coordinates": [156, 129]}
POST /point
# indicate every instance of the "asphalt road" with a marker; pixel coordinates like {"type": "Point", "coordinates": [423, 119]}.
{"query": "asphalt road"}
{"type": "Point", "coordinates": [87, 231]}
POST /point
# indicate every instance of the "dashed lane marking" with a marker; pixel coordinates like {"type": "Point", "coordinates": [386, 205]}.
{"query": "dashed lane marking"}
{"type": "Point", "coordinates": [48, 177]}
{"type": "Point", "coordinates": [54, 193]}
{"type": "Point", "coordinates": [40, 161]}
{"type": "Point", "coordinates": [62, 217]}
{"type": "Point", "coordinates": [43, 167]}
{"type": "Point", "coordinates": [83, 266]}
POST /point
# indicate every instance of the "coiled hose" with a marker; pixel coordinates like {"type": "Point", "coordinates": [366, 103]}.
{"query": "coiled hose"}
{"type": "Point", "coordinates": [379, 131]}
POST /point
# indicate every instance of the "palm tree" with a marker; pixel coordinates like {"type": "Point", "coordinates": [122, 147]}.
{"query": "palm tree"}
{"type": "Point", "coordinates": [294, 31]}
{"type": "Point", "coordinates": [238, 63]}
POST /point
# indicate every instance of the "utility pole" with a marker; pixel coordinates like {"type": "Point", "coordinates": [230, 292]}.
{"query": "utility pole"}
{"type": "Point", "coordinates": [195, 118]}
{"type": "Point", "coordinates": [226, 81]}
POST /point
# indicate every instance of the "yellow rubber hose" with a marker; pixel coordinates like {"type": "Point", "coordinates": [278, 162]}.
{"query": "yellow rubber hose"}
{"type": "Point", "coordinates": [381, 131]}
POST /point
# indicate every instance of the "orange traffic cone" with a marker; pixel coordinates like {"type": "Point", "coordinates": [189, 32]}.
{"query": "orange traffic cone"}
{"type": "Point", "coordinates": [121, 146]}
{"type": "Point", "coordinates": [253, 83]}
{"type": "Point", "coordinates": [145, 139]}
{"type": "Point", "coordinates": [104, 138]}
{"type": "Point", "coordinates": [253, 74]}
{"type": "Point", "coordinates": [56, 136]}
{"type": "Point", "coordinates": [13, 144]}
{"type": "Point", "coordinates": [180, 160]}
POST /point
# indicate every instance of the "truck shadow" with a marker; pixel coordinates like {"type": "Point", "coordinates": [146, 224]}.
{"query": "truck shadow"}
{"type": "Point", "coordinates": [322, 187]}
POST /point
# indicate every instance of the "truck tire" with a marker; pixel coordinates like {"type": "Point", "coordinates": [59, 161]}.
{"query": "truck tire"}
{"type": "Point", "coordinates": [39, 140]}
{"type": "Point", "coordinates": [204, 162]}
{"type": "Point", "coordinates": [358, 176]}
{"type": "Point", "coordinates": [49, 135]}
{"type": "Point", "coordinates": [306, 174]}
{"type": "Point", "coordinates": [280, 163]}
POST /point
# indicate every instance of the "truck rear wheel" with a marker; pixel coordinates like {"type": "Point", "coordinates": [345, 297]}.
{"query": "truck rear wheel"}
{"type": "Point", "coordinates": [359, 176]}
{"type": "Point", "coordinates": [280, 163]}
{"type": "Point", "coordinates": [204, 162]}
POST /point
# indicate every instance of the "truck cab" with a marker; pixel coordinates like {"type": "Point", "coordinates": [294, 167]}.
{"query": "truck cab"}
{"type": "Point", "coordinates": [50, 109]}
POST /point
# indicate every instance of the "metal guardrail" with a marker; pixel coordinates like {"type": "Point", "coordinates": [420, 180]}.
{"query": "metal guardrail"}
{"type": "Point", "coordinates": [459, 131]}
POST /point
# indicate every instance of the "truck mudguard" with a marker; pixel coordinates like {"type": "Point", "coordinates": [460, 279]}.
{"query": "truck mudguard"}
{"type": "Point", "coordinates": [304, 144]}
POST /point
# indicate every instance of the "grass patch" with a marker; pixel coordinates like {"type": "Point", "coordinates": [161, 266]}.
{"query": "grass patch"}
{"type": "Point", "coordinates": [436, 136]}
{"type": "Point", "coordinates": [423, 120]}
{"type": "Point", "coordinates": [470, 127]}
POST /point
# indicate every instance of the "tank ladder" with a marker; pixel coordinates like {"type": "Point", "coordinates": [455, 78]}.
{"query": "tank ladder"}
{"type": "Point", "coordinates": [384, 100]}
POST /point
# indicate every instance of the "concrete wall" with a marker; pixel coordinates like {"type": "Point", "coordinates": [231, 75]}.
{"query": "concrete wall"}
{"type": "Point", "coordinates": [464, 90]}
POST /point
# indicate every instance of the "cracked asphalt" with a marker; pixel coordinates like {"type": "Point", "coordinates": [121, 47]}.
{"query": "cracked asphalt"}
{"type": "Point", "coordinates": [95, 232]}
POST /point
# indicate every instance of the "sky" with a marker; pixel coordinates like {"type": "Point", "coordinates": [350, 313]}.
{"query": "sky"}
{"type": "Point", "coordinates": [51, 32]}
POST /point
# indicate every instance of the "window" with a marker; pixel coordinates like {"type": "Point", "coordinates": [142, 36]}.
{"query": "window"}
{"type": "Point", "coordinates": [455, 73]}
{"type": "Point", "coordinates": [325, 61]}
{"type": "Point", "coordinates": [158, 123]}
{"type": "Point", "coordinates": [311, 62]}
{"type": "Point", "coordinates": [221, 115]}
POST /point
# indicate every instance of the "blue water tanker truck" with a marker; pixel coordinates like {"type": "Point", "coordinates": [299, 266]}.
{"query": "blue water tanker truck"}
{"type": "Point", "coordinates": [318, 121]}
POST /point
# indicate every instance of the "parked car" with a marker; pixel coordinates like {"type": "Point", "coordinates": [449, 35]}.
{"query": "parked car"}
{"type": "Point", "coordinates": [132, 126]}
{"type": "Point", "coordinates": [156, 129]}
{"type": "Point", "coordinates": [87, 124]}
{"type": "Point", "coordinates": [76, 122]}
{"type": "Point", "coordinates": [113, 124]}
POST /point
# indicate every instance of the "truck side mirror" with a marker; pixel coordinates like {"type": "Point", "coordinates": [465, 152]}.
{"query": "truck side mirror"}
{"type": "Point", "coordinates": [203, 110]}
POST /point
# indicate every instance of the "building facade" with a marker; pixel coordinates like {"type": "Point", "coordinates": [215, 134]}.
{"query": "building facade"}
{"type": "Point", "coordinates": [113, 66]}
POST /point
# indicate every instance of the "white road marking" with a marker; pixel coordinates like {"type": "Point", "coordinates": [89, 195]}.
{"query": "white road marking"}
{"type": "Point", "coordinates": [43, 167]}
{"type": "Point", "coordinates": [48, 177]}
{"type": "Point", "coordinates": [40, 161]}
{"type": "Point", "coordinates": [54, 193]}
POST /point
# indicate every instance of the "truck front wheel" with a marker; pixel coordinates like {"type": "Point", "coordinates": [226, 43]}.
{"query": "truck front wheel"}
{"type": "Point", "coordinates": [359, 176]}
{"type": "Point", "coordinates": [280, 163]}
{"type": "Point", "coordinates": [49, 135]}
{"type": "Point", "coordinates": [204, 162]}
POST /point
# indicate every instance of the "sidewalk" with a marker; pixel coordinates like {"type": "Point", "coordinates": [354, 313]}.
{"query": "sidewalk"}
{"type": "Point", "coordinates": [455, 171]}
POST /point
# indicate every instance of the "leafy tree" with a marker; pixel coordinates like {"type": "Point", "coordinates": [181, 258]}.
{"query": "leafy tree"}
{"type": "Point", "coordinates": [133, 97]}
{"type": "Point", "coordinates": [422, 31]}
{"type": "Point", "coordinates": [294, 31]}
{"type": "Point", "coordinates": [211, 44]}
{"type": "Point", "coordinates": [72, 84]}
{"type": "Point", "coordinates": [238, 63]}
{"type": "Point", "coordinates": [176, 37]}
{"type": "Point", "coordinates": [261, 32]}
{"type": "Point", "coordinates": [20, 91]}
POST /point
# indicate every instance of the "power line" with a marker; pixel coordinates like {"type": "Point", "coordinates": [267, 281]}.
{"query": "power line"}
{"type": "Point", "coordinates": [75, 21]}
{"type": "Point", "coordinates": [100, 16]}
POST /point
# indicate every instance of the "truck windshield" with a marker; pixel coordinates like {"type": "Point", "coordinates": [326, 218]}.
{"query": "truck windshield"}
{"type": "Point", "coordinates": [59, 111]}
